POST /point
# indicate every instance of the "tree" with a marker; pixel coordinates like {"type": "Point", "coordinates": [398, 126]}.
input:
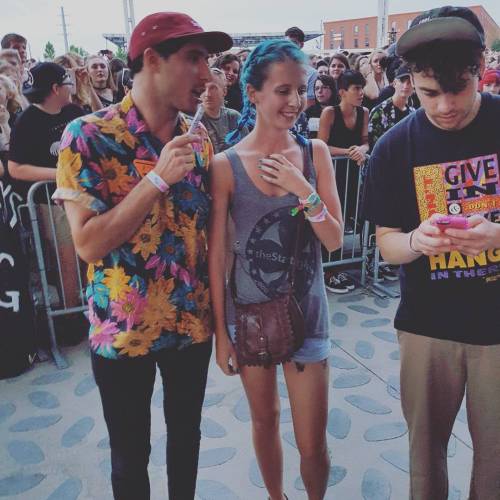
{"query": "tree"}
{"type": "Point", "coordinates": [49, 52]}
{"type": "Point", "coordinates": [78, 50]}
{"type": "Point", "coordinates": [121, 54]}
{"type": "Point", "coordinates": [496, 45]}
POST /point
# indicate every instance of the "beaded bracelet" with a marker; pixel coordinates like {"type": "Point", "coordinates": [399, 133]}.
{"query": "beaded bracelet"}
{"type": "Point", "coordinates": [157, 181]}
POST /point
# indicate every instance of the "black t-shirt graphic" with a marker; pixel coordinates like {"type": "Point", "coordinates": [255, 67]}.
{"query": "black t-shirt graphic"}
{"type": "Point", "coordinates": [417, 169]}
{"type": "Point", "coordinates": [35, 139]}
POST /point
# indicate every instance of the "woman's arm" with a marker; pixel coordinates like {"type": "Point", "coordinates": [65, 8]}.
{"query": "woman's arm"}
{"type": "Point", "coordinates": [330, 232]}
{"type": "Point", "coordinates": [95, 102]}
{"type": "Point", "coordinates": [358, 153]}
{"type": "Point", "coordinates": [221, 186]}
{"type": "Point", "coordinates": [326, 121]}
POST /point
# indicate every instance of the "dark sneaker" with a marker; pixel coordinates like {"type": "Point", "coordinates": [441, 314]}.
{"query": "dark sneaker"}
{"type": "Point", "coordinates": [334, 285]}
{"type": "Point", "coordinates": [346, 280]}
{"type": "Point", "coordinates": [370, 271]}
{"type": "Point", "coordinates": [388, 273]}
{"type": "Point", "coordinates": [348, 228]}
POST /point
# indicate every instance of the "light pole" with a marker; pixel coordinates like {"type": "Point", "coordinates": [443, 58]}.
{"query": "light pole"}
{"type": "Point", "coordinates": [129, 17]}
{"type": "Point", "coordinates": [382, 21]}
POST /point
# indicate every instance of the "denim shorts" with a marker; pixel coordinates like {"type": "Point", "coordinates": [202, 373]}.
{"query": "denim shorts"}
{"type": "Point", "coordinates": [312, 351]}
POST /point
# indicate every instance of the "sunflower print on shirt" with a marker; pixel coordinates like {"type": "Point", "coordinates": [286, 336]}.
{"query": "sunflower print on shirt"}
{"type": "Point", "coordinates": [151, 292]}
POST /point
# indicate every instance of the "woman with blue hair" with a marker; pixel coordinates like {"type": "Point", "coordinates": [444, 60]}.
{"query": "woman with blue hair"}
{"type": "Point", "coordinates": [263, 182]}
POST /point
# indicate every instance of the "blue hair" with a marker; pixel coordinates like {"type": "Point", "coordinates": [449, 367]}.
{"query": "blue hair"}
{"type": "Point", "coordinates": [255, 72]}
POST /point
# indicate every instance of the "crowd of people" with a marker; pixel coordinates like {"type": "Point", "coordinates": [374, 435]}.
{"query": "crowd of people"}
{"type": "Point", "coordinates": [176, 250]}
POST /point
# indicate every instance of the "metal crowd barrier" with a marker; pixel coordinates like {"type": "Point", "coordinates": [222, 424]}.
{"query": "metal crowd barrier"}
{"type": "Point", "coordinates": [43, 238]}
{"type": "Point", "coordinates": [357, 247]}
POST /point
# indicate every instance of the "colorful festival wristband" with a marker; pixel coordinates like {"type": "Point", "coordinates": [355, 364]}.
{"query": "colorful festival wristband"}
{"type": "Point", "coordinates": [307, 204]}
{"type": "Point", "coordinates": [320, 217]}
{"type": "Point", "coordinates": [157, 181]}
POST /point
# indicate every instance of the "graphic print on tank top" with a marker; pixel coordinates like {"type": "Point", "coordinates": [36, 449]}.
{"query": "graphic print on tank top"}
{"type": "Point", "coordinates": [269, 249]}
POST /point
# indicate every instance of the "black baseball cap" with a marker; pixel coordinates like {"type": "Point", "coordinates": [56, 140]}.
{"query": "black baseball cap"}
{"type": "Point", "coordinates": [442, 24]}
{"type": "Point", "coordinates": [42, 76]}
{"type": "Point", "coordinates": [402, 71]}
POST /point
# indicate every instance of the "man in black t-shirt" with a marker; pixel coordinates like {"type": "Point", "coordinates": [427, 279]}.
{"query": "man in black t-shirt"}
{"type": "Point", "coordinates": [35, 139]}
{"type": "Point", "coordinates": [443, 159]}
{"type": "Point", "coordinates": [33, 155]}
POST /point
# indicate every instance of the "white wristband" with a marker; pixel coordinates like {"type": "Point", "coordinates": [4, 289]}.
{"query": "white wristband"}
{"type": "Point", "coordinates": [157, 181]}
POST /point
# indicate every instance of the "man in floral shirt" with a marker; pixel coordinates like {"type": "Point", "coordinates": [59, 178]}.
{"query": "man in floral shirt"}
{"type": "Point", "coordinates": [392, 110]}
{"type": "Point", "coordinates": [133, 182]}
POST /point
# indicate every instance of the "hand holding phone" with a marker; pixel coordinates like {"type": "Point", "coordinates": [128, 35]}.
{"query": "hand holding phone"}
{"type": "Point", "coordinates": [451, 222]}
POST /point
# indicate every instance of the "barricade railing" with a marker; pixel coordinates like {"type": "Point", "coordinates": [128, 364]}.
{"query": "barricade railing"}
{"type": "Point", "coordinates": [62, 292]}
{"type": "Point", "coordinates": [357, 247]}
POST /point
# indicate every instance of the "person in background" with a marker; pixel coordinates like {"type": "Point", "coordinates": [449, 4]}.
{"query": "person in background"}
{"type": "Point", "coordinates": [231, 65]}
{"type": "Point", "coordinates": [322, 67]}
{"type": "Point", "coordinates": [442, 160]}
{"type": "Point", "coordinates": [242, 55]}
{"type": "Point", "coordinates": [33, 154]}
{"type": "Point", "coordinates": [115, 66]}
{"type": "Point", "coordinates": [12, 57]}
{"type": "Point", "coordinates": [124, 83]}
{"type": "Point", "coordinates": [313, 59]}
{"type": "Point", "coordinates": [10, 107]}
{"type": "Point", "coordinates": [16, 42]}
{"type": "Point", "coordinates": [19, 74]}
{"type": "Point", "coordinates": [391, 111]}
{"type": "Point", "coordinates": [108, 54]}
{"type": "Point", "coordinates": [490, 82]}
{"type": "Point", "coordinates": [218, 120]}
{"type": "Point", "coordinates": [84, 94]}
{"type": "Point", "coordinates": [338, 64]}
{"type": "Point", "coordinates": [376, 78]}
{"type": "Point", "coordinates": [382, 118]}
{"type": "Point", "coordinates": [257, 182]}
{"type": "Point", "coordinates": [362, 65]}
{"type": "Point", "coordinates": [297, 36]}
{"type": "Point", "coordinates": [101, 79]}
{"type": "Point", "coordinates": [10, 97]}
{"type": "Point", "coordinates": [325, 94]}
{"type": "Point", "coordinates": [344, 128]}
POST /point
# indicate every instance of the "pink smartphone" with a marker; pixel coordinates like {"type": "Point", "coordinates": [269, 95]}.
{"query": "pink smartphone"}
{"type": "Point", "coordinates": [452, 221]}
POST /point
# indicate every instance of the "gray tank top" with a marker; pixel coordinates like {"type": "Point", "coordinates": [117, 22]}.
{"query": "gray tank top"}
{"type": "Point", "coordinates": [264, 244]}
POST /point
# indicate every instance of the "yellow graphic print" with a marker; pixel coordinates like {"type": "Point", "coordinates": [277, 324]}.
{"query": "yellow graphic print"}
{"type": "Point", "coordinates": [431, 192]}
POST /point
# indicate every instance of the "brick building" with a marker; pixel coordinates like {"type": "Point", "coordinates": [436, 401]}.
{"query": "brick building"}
{"type": "Point", "coordinates": [362, 33]}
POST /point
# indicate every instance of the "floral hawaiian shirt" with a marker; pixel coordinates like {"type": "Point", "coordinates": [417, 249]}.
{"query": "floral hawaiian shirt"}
{"type": "Point", "coordinates": [151, 292]}
{"type": "Point", "coordinates": [383, 117]}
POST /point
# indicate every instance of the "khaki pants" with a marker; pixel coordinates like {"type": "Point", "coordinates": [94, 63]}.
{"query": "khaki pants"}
{"type": "Point", "coordinates": [435, 375]}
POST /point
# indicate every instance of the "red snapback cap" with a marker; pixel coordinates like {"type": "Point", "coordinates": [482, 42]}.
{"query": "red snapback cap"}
{"type": "Point", "coordinates": [163, 26]}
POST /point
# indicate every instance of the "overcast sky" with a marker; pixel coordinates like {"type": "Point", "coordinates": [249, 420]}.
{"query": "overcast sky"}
{"type": "Point", "coordinates": [40, 21]}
